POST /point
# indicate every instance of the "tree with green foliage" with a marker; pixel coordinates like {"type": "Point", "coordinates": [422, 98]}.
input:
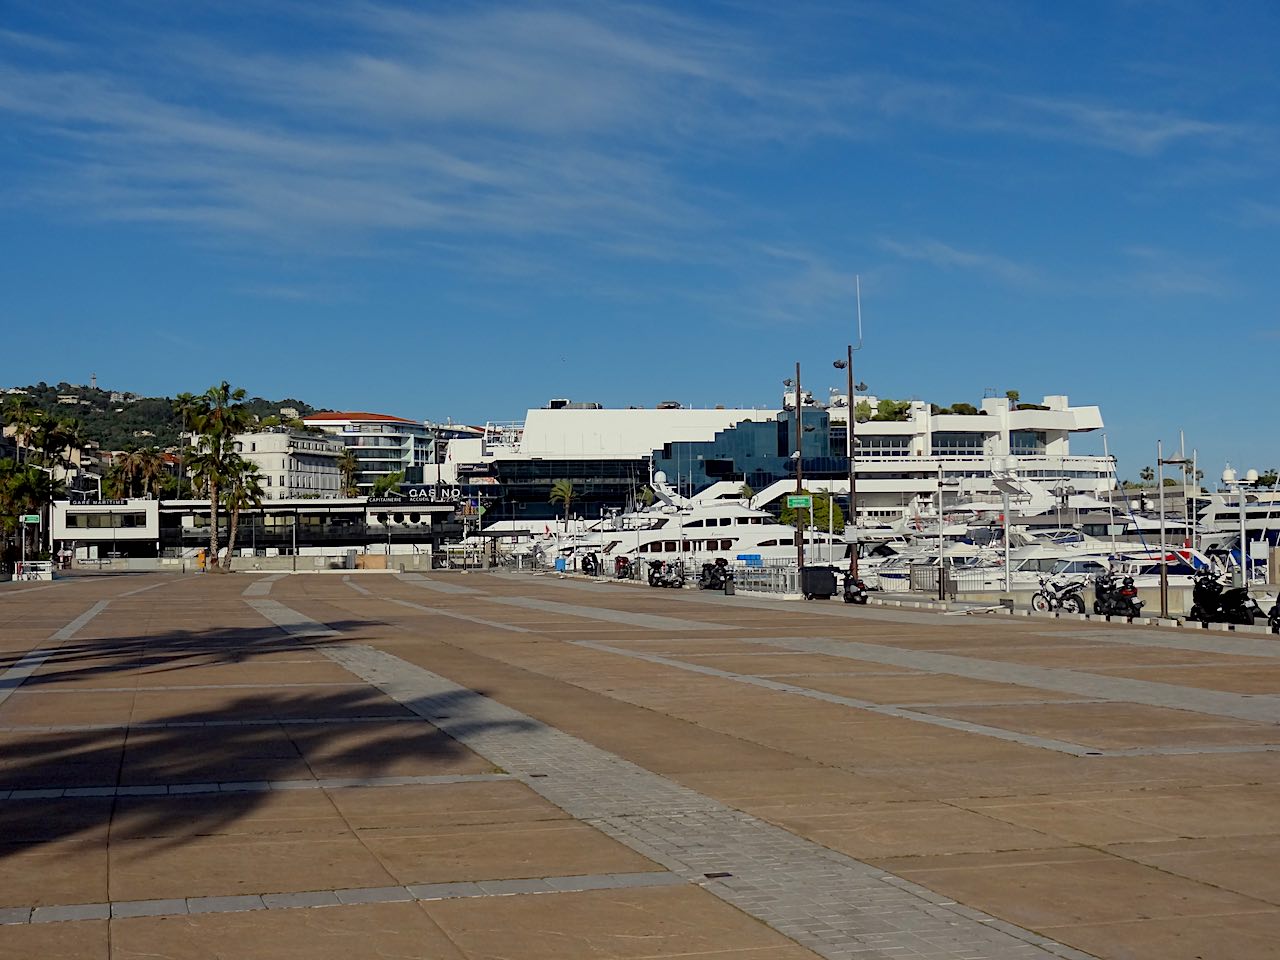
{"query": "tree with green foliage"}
{"type": "Point", "coordinates": [216, 416]}
{"type": "Point", "coordinates": [823, 506]}
{"type": "Point", "coordinates": [243, 491]}
{"type": "Point", "coordinates": [1269, 478]}
{"type": "Point", "coordinates": [862, 411]}
{"type": "Point", "coordinates": [562, 492]}
{"type": "Point", "coordinates": [1014, 396]}
{"type": "Point", "coordinates": [895, 410]}
{"type": "Point", "coordinates": [388, 483]}
{"type": "Point", "coordinates": [1147, 475]}
{"type": "Point", "coordinates": [746, 493]}
{"type": "Point", "coordinates": [349, 467]}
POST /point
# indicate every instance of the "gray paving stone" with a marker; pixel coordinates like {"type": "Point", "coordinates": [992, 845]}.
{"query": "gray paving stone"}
{"type": "Point", "coordinates": [287, 901]}
{"type": "Point", "coordinates": [10, 915]}
{"type": "Point", "coordinates": [142, 791]}
{"type": "Point", "coordinates": [148, 908]}
{"type": "Point", "coordinates": [76, 911]}
{"type": "Point", "coordinates": [224, 904]}
{"type": "Point", "coordinates": [373, 895]}
{"type": "Point", "coordinates": [89, 792]}
{"type": "Point", "coordinates": [180, 788]}
{"type": "Point", "coordinates": [444, 891]}
{"type": "Point", "coordinates": [41, 794]}
{"type": "Point", "coordinates": [502, 888]}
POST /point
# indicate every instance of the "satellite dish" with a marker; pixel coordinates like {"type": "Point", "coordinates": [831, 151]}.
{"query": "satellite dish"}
{"type": "Point", "coordinates": [660, 477]}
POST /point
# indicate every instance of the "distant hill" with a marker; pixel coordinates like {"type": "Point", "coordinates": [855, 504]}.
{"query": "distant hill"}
{"type": "Point", "coordinates": [118, 420]}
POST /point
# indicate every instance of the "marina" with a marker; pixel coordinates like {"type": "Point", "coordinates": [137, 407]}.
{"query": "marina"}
{"type": "Point", "coordinates": [467, 764]}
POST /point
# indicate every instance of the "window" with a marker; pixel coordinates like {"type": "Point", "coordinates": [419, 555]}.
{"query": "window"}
{"type": "Point", "coordinates": [955, 444]}
{"type": "Point", "coordinates": [1027, 443]}
{"type": "Point", "coordinates": [872, 445]}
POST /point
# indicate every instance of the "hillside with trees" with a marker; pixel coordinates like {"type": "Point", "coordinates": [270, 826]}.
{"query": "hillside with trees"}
{"type": "Point", "coordinates": [118, 420]}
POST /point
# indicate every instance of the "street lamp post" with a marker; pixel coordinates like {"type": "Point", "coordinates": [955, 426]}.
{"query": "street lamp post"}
{"type": "Point", "coordinates": [847, 366]}
{"type": "Point", "coordinates": [1230, 479]}
{"type": "Point", "coordinates": [1004, 482]}
{"type": "Point", "coordinates": [1164, 550]}
{"type": "Point", "coordinates": [799, 474]}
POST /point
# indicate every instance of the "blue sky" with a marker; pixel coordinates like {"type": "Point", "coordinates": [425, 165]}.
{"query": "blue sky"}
{"type": "Point", "coordinates": [461, 210]}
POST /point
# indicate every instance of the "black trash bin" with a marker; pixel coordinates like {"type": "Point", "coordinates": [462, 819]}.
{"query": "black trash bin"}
{"type": "Point", "coordinates": [818, 583]}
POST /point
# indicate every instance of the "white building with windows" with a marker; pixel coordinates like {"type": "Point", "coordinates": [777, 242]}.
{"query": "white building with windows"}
{"type": "Point", "coordinates": [382, 444]}
{"type": "Point", "coordinates": [293, 464]}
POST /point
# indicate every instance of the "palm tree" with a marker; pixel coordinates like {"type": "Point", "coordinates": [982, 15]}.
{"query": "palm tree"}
{"type": "Point", "coordinates": [24, 418]}
{"type": "Point", "coordinates": [562, 492]}
{"type": "Point", "coordinates": [243, 490]}
{"type": "Point", "coordinates": [216, 416]}
{"type": "Point", "coordinates": [184, 404]}
{"type": "Point", "coordinates": [349, 466]}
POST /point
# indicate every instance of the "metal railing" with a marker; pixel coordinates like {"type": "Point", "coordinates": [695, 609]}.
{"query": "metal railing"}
{"type": "Point", "coordinates": [772, 579]}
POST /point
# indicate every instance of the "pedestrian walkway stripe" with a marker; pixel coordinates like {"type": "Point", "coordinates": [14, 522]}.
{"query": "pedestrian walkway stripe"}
{"type": "Point", "coordinates": [884, 709]}
{"type": "Point", "coordinates": [440, 586]}
{"type": "Point", "coordinates": [647, 620]}
{"type": "Point", "coordinates": [243, 786]}
{"type": "Point", "coordinates": [461, 616]}
{"type": "Point", "coordinates": [30, 662]}
{"type": "Point", "coordinates": [262, 586]}
{"type": "Point", "coordinates": [419, 892]}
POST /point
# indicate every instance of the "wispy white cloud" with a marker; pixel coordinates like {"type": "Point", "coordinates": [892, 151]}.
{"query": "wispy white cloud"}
{"type": "Point", "coordinates": [949, 257]}
{"type": "Point", "coordinates": [1163, 273]}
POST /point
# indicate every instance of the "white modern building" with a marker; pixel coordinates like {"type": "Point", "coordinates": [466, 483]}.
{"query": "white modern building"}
{"type": "Point", "coordinates": [382, 444]}
{"type": "Point", "coordinates": [292, 464]}
{"type": "Point", "coordinates": [900, 464]}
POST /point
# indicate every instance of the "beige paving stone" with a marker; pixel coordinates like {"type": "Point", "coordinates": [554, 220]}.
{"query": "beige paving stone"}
{"type": "Point", "coordinates": [228, 866]}
{"type": "Point", "coordinates": [1245, 864]}
{"type": "Point", "coordinates": [1116, 725]}
{"type": "Point", "coordinates": [1058, 888]}
{"type": "Point", "coordinates": [614, 924]}
{"type": "Point", "coordinates": [455, 804]}
{"type": "Point", "coordinates": [402, 931]}
{"type": "Point", "coordinates": [926, 688]}
{"type": "Point", "coordinates": [1255, 676]}
{"type": "Point", "coordinates": [877, 830]}
{"type": "Point", "coordinates": [375, 749]}
{"type": "Point", "coordinates": [289, 813]}
{"type": "Point", "coordinates": [35, 709]}
{"type": "Point", "coordinates": [48, 874]}
{"type": "Point", "coordinates": [84, 940]}
{"type": "Point", "coordinates": [1253, 936]}
{"type": "Point", "coordinates": [764, 663]}
{"type": "Point", "coordinates": [500, 852]}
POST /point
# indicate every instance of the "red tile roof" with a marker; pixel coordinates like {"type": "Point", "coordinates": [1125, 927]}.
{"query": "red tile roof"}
{"type": "Point", "coordinates": [331, 415]}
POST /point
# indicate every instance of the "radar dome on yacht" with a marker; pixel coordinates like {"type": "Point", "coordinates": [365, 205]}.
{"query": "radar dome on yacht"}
{"type": "Point", "coordinates": [660, 477]}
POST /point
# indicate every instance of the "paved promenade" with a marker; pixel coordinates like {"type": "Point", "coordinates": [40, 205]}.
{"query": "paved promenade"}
{"type": "Point", "coordinates": [500, 767]}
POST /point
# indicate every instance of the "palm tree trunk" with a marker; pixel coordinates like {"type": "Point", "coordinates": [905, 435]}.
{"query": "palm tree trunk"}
{"type": "Point", "coordinates": [231, 534]}
{"type": "Point", "coordinates": [212, 562]}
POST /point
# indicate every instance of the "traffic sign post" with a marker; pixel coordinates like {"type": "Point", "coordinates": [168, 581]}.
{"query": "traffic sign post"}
{"type": "Point", "coordinates": [796, 500]}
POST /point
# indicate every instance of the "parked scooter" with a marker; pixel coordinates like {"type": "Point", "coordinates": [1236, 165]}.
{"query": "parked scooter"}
{"type": "Point", "coordinates": [1273, 618]}
{"type": "Point", "coordinates": [1115, 599]}
{"type": "Point", "coordinates": [714, 575]}
{"type": "Point", "coordinates": [1211, 602]}
{"type": "Point", "coordinates": [1064, 595]}
{"type": "Point", "coordinates": [591, 565]}
{"type": "Point", "coordinates": [664, 574]}
{"type": "Point", "coordinates": [622, 568]}
{"type": "Point", "coordinates": [855, 589]}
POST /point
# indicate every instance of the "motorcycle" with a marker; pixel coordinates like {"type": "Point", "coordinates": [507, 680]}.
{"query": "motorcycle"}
{"type": "Point", "coordinates": [622, 568]}
{"type": "Point", "coordinates": [591, 565]}
{"type": "Point", "coordinates": [855, 589]}
{"type": "Point", "coordinates": [714, 575]}
{"type": "Point", "coordinates": [1115, 599]}
{"type": "Point", "coordinates": [1273, 618]}
{"type": "Point", "coordinates": [1211, 602]}
{"type": "Point", "coordinates": [1064, 595]}
{"type": "Point", "coordinates": [663, 574]}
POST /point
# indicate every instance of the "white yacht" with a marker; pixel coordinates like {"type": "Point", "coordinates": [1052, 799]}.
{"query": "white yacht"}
{"type": "Point", "coordinates": [678, 527]}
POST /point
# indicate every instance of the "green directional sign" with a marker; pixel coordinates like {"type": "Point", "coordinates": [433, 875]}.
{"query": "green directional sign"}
{"type": "Point", "coordinates": [31, 518]}
{"type": "Point", "coordinates": [799, 500]}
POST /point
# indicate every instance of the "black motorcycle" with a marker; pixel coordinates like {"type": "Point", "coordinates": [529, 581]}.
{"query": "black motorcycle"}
{"type": "Point", "coordinates": [663, 574]}
{"type": "Point", "coordinates": [714, 575]}
{"type": "Point", "coordinates": [1211, 602]}
{"type": "Point", "coordinates": [1273, 618]}
{"type": "Point", "coordinates": [855, 589]}
{"type": "Point", "coordinates": [591, 565]}
{"type": "Point", "coordinates": [1115, 599]}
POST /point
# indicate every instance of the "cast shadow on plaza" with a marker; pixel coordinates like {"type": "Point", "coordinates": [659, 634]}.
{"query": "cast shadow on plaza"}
{"type": "Point", "coordinates": [228, 743]}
